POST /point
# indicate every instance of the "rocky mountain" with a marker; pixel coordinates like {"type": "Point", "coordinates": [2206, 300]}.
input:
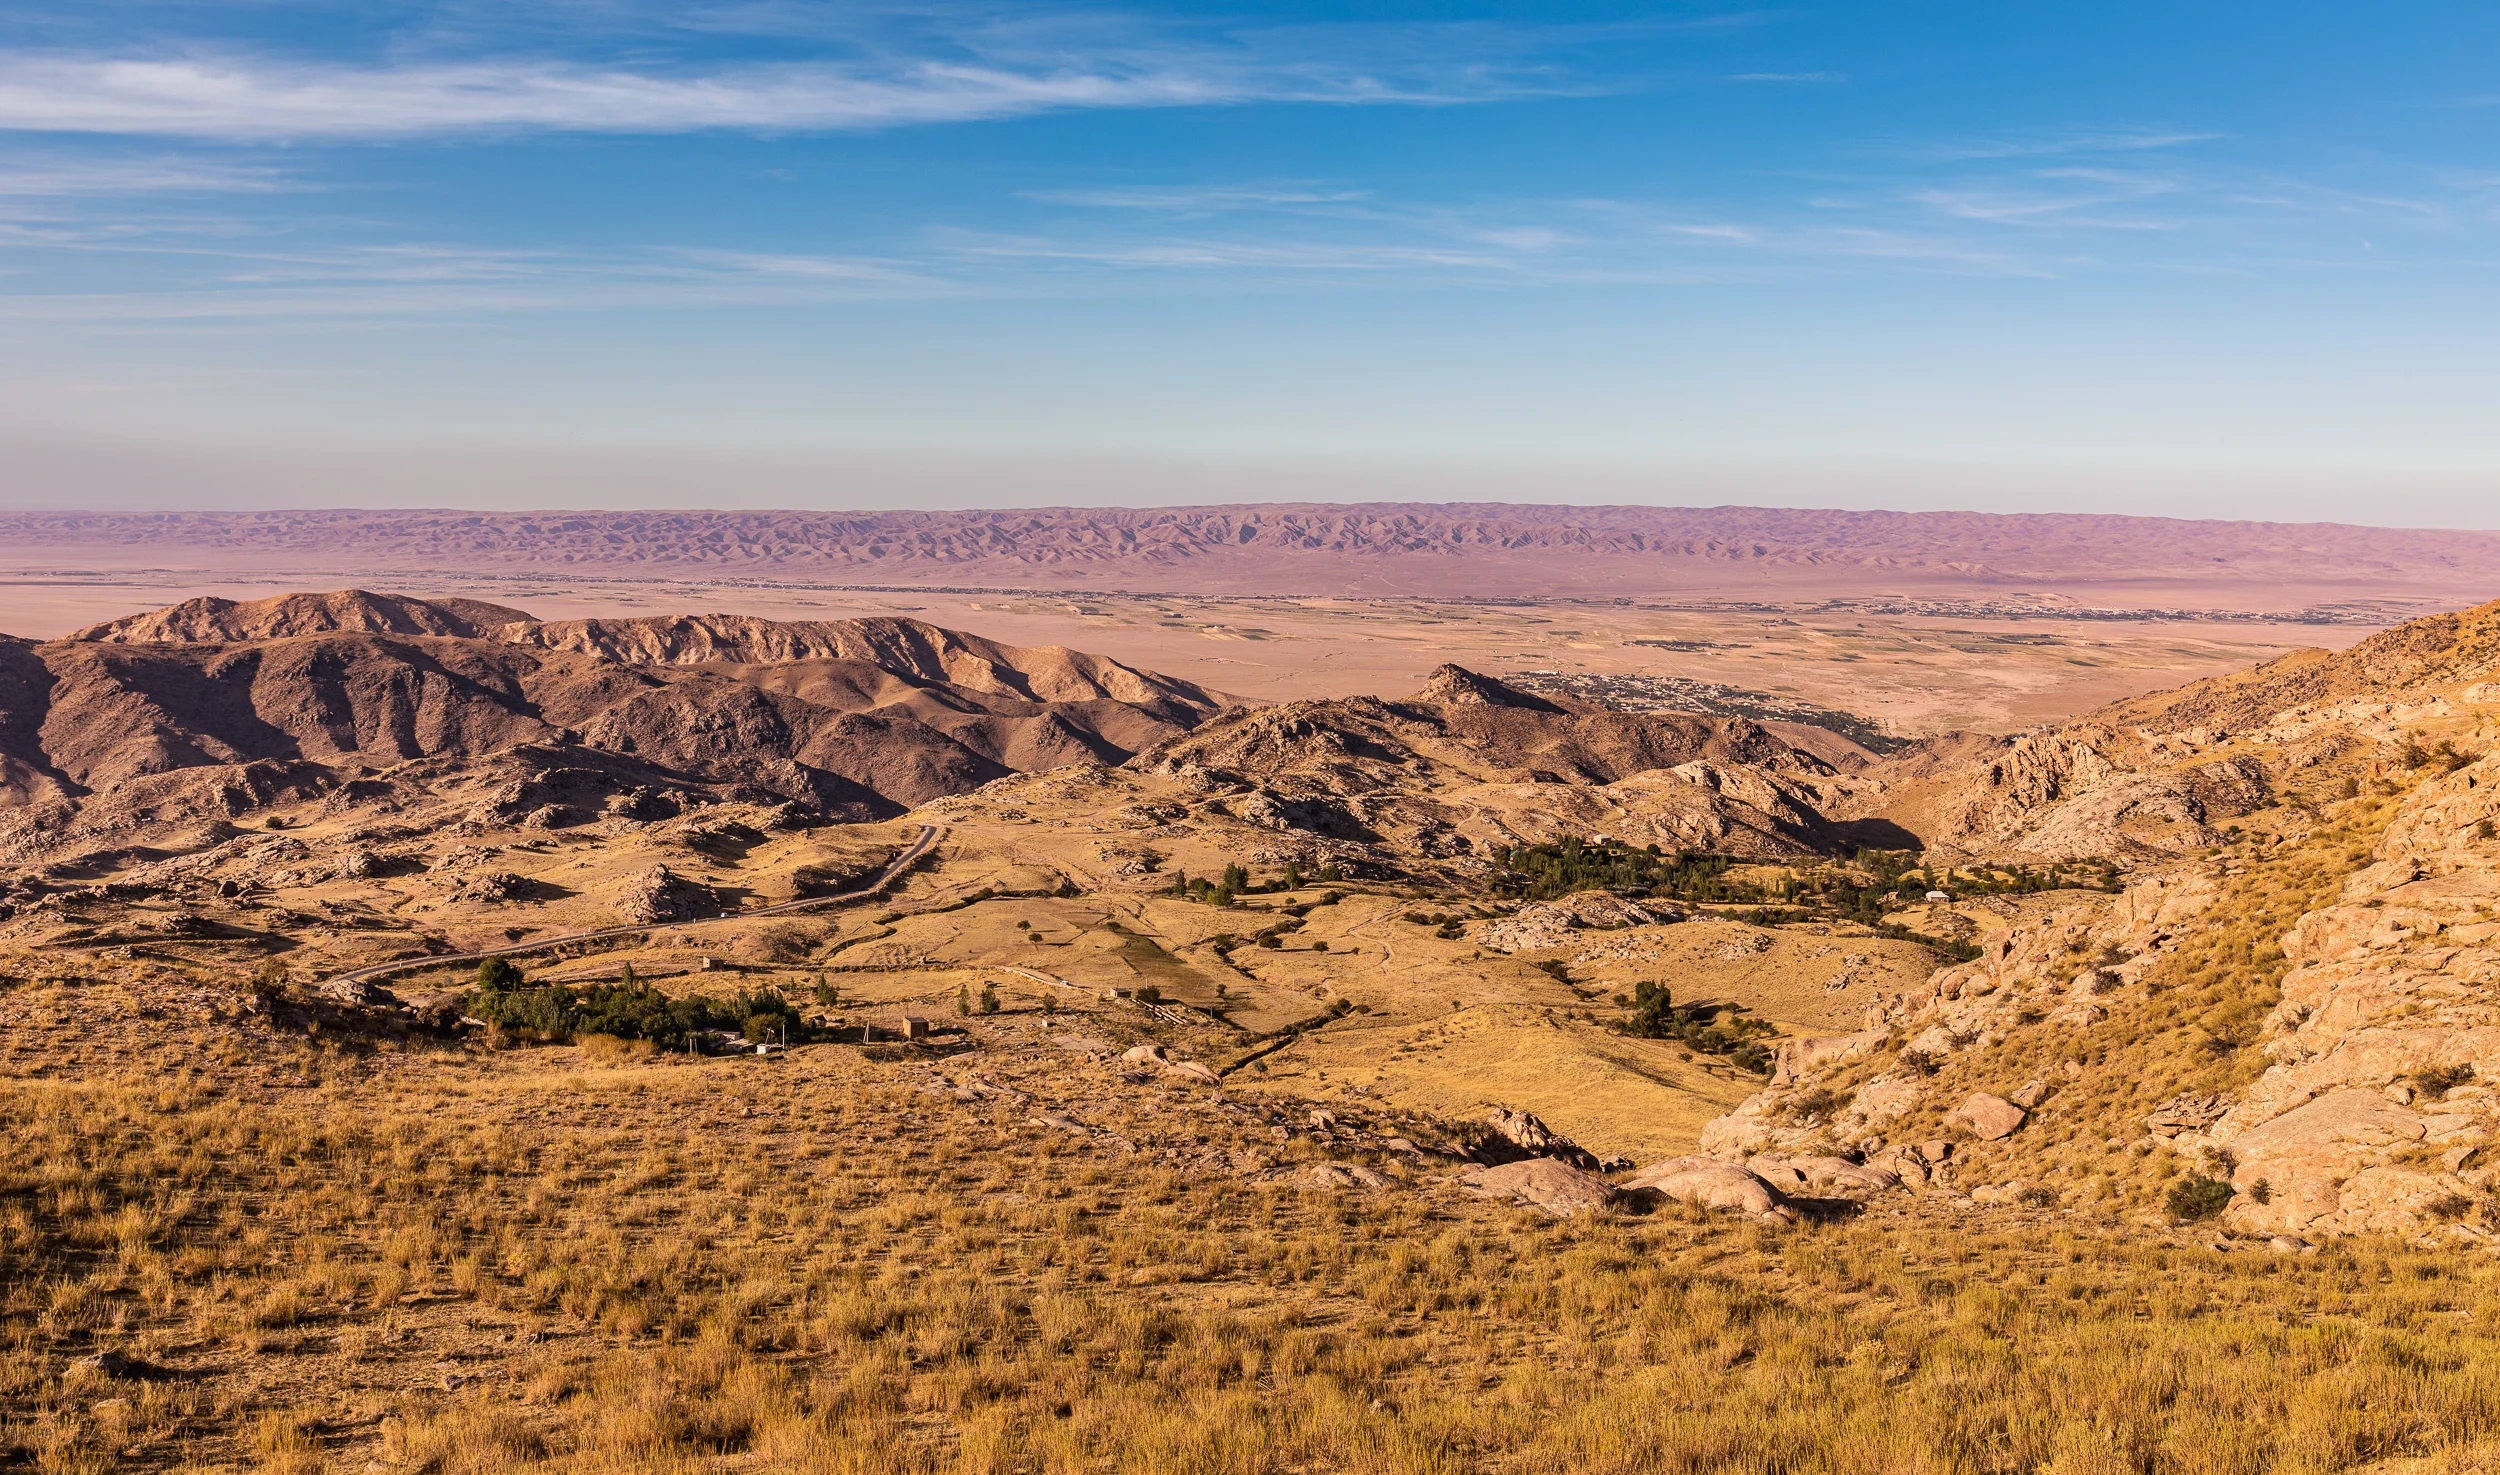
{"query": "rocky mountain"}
{"type": "Point", "coordinates": [2297, 1031]}
{"type": "Point", "coordinates": [1467, 765]}
{"type": "Point", "coordinates": [225, 620]}
{"type": "Point", "coordinates": [193, 715]}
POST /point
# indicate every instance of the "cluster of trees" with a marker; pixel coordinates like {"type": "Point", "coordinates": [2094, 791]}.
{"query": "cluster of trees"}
{"type": "Point", "coordinates": [1710, 1029]}
{"type": "Point", "coordinates": [1543, 872]}
{"type": "Point", "coordinates": [1236, 882]}
{"type": "Point", "coordinates": [1860, 888]}
{"type": "Point", "coordinates": [627, 1009]}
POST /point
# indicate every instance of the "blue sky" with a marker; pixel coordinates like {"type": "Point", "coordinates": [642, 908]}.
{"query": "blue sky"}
{"type": "Point", "coordinates": [2227, 259]}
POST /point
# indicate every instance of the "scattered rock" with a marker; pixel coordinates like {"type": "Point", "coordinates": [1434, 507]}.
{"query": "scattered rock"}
{"type": "Point", "coordinates": [2193, 1112]}
{"type": "Point", "coordinates": [1551, 924]}
{"type": "Point", "coordinates": [111, 1365]}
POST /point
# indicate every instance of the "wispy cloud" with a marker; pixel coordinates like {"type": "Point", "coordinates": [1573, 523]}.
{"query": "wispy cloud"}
{"type": "Point", "coordinates": [2048, 144]}
{"type": "Point", "coordinates": [74, 178]}
{"type": "Point", "coordinates": [1203, 199]}
{"type": "Point", "coordinates": [240, 96]}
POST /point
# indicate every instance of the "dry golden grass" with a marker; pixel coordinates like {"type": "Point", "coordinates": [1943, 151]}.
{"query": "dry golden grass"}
{"type": "Point", "coordinates": [556, 1259]}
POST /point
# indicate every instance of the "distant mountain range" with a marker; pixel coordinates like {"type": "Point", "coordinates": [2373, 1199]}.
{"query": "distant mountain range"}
{"type": "Point", "coordinates": [1454, 550]}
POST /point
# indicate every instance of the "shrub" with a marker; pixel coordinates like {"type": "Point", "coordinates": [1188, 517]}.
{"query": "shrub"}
{"type": "Point", "coordinates": [989, 998]}
{"type": "Point", "coordinates": [1150, 994]}
{"type": "Point", "coordinates": [1921, 1061]}
{"type": "Point", "coordinates": [497, 974]}
{"type": "Point", "coordinates": [269, 980]}
{"type": "Point", "coordinates": [2438, 1080]}
{"type": "Point", "coordinates": [2195, 1198]}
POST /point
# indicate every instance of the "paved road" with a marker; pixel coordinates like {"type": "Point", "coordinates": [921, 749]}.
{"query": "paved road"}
{"type": "Point", "coordinates": [929, 836]}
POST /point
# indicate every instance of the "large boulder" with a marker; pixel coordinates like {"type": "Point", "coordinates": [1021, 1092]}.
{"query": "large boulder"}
{"type": "Point", "coordinates": [1822, 1177]}
{"type": "Point", "coordinates": [2318, 1163]}
{"type": "Point", "coordinates": [1988, 1118]}
{"type": "Point", "coordinates": [1556, 1187]}
{"type": "Point", "coordinates": [1710, 1184]}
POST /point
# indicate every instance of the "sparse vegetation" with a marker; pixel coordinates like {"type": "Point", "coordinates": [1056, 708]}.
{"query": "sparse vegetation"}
{"type": "Point", "coordinates": [2192, 1198]}
{"type": "Point", "coordinates": [718, 1314]}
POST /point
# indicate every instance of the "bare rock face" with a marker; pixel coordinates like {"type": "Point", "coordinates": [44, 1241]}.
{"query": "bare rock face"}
{"type": "Point", "coordinates": [660, 895]}
{"type": "Point", "coordinates": [1556, 1187]}
{"type": "Point", "coordinates": [1986, 1117]}
{"type": "Point", "coordinates": [2322, 1164]}
{"type": "Point", "coordinates": [1709, 1184]}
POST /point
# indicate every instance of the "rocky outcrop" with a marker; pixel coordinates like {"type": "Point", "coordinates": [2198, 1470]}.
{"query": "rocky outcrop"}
{"type": "Point", "coordinates": [1521, 1134]}
{"type": "Point", "coordinates": [1707, 1183]}
{"type": "Point", "coordinates": [2378, 1106]}
{"type": "Point", "coordinates": [1552, 924]}
{"type": "Point", "coordinates": [660, 895]}
{"type": "Point", "coordinates": [1545, 1183]}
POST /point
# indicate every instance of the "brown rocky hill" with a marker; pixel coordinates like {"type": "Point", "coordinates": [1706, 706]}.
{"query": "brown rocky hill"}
{"type": "Point", "coordinates": [1468, 765]}
{"type": "Point", "coordinates": [226, 620]}
{"type": "Point", "coordinates": [191, 716]}
{"type": "Point", "coordinates": [2163, 775]}
{"type": "Point", "coordinates": [1385, 548]}
{"type": "Point", "coordinates": [2293, 1030]}
{"type": "Point", "coordinates": [2440, 654]}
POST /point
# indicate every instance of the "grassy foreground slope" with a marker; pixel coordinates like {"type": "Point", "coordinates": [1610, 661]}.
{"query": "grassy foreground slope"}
{"type": "Point", "coordinates": [572, 1260]}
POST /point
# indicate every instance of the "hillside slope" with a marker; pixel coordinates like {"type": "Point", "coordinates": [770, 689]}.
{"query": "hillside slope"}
{"type": "Point", "coordinates": [2299, 1032]}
